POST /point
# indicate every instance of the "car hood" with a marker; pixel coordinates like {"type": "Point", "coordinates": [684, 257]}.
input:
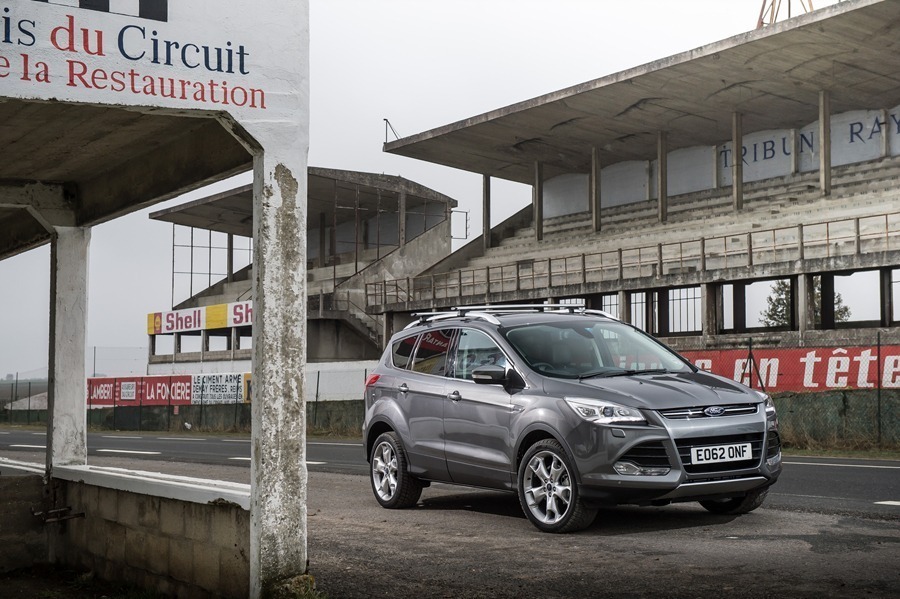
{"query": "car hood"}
{"type": "Point", "coordinates": [665, 391]}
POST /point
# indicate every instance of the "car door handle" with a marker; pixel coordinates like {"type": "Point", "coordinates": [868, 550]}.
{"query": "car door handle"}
{"type": "Point", "coordinates": [454, 396]}
{"type": "Point", "coordinates": [404, 388]}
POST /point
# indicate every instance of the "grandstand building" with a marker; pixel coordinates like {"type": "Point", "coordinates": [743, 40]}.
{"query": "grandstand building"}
{"type": "Point", "coordinates": [362, 226]}
{"type": "Point", "coordinates": [643, 207]}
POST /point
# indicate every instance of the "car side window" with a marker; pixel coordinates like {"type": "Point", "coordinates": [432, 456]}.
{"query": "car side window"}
{"type": "Point", "coordinates": [476, 349]}
{"type": "Point", "coordinates": [401, 352]}
{"type": "Point", "coordinates": [431, 354]}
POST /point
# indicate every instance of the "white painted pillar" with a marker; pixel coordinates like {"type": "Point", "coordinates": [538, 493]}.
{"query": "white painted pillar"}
{"type": "Point", "coordinates": [66, 394]}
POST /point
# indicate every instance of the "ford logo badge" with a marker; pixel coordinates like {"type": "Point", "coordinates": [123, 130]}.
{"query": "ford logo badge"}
{"type": "Point", "coordinates": [714, 411]}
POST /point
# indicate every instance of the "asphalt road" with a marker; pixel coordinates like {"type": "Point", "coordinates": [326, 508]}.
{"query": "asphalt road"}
{"type": "Point", "coordinates": [821, 532]}
{"type": "Point", "coordinates": [868, 488]}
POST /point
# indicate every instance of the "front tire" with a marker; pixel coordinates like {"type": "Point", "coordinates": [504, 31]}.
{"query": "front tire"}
{"type": "Point", "coordinates": [393, 485]}
{"type": "Point", "coordinates": [548, 492]}
{"type": "Point", "coordinates": [737, 505]}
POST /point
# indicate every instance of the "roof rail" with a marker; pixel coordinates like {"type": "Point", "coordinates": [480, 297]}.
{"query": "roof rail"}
{"type": "Point", "coordinates": [489, 313]}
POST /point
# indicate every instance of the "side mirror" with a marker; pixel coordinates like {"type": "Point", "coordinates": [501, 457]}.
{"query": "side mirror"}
{"type": "Point", "coordinates": [489, 375]}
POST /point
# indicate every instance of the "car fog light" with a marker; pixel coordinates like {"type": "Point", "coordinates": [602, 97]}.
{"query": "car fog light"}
{"type": "Point", "coordinates": [774, 460]}
{"type": "Point", "coordinates": [634, 470]}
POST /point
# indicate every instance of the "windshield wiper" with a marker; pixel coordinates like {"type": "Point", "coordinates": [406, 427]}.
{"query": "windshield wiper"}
{"type": "Point", "coordinates": [627, 372]}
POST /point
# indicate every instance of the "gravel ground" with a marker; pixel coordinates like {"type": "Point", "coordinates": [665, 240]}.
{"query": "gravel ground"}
{"type": "Point", "coordinates": [477, 544]}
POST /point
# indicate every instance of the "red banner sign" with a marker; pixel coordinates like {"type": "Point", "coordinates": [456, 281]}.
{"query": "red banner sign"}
{"type": "Point", "coordinates": [805, 369]}
{"type": "Point", "coordinates": [148, 391]}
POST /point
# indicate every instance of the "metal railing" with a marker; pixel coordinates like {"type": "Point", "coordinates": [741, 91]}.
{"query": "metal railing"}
{"type": "Point", "coordinates": [827, 239]}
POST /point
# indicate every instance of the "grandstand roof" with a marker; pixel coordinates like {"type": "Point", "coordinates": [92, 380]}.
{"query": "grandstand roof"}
{"type": "Point", "coordinates": [328, 190]}
{"type": "Point", "coordinates": [771, 76]}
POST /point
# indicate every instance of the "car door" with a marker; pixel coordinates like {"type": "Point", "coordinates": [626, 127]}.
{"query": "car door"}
{"type": "Point", "coordinates": [421, 394]}
{"type": "Point", "coordinates": [477, 417]}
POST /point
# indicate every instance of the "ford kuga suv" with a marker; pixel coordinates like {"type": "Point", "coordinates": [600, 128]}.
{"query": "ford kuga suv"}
{"type": "Point", "coordinates": [569, 408]}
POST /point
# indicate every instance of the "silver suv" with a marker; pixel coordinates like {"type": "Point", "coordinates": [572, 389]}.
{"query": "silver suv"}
{"type": "Point", "coordinates": [570, 408]}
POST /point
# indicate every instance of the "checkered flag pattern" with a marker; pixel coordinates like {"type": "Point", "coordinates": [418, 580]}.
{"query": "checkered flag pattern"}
{"type": "Point", "coordinates": [156, 10]}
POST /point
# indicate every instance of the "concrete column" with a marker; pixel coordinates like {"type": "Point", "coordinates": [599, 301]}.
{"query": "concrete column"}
{"type": "Point", "coordinates": [737, 162]}
{"type": "Point", "coordinates": [624, 307]}
{"type": "Point", "coordinates": [826, 301]}
{"type": "Point", "coordinates": [886, 281]}
{"type": "Point", "coordinates": [708, 309]}
{"type": "Point", "coordinates": [278, 474]}
{"type": "Point", "coordinates": [538, 201]}
{"type": "Point", "coordinates": [662, 175]}
{"type": "Point", "coordinates": [401, 214]}
{"type": "Point", "coordinates": [323, 241]}
{"type": "Point", "coordinates": [595, 188]}
{"type": "Point", "coordinates": [66, 394]}
{"type": "Point", "coordinates": [229, 258]}
{"type": "Point", "coordinates": [486, 211]}
{"type": "Point", "coordinates": [805, 300]}
{"type": "Point", "coordinates": [825, 142]}
{"type": "Point", "coordinates": [739, 306]}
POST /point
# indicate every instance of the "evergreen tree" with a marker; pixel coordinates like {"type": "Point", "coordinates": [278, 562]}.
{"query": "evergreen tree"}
{"type": "Point", "coordinates": [778, 310]}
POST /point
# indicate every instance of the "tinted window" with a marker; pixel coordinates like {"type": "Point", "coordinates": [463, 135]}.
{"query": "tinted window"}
{"type": "Point", "coordinates": [431, 355]}
{"type": "Point", "coordinates": [476, 349]}
{"type": "Point", "coordinates": [578, 347]}
{"type": "Point", "coordinates": [401, 351]}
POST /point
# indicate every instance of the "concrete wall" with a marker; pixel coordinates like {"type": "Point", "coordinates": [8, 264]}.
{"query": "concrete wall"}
{"type": "Point", "coordinates": [176, 547]}
{"type": "Point", "coordinates": [23, 540]}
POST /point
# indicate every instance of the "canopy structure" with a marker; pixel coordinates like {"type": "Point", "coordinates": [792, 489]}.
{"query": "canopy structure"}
{"type": "Point", "coordinates": [772, 77]}
{"type": "Point", "coordinates": [95, 163]}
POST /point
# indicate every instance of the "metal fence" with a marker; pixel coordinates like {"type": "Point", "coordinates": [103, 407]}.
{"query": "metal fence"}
{"type": "Point", "coordinates": [843, 393]}
{"type": "Point", "coordinates": [334, 402]}
{"type": "Point", "coordinates": [839, 394]}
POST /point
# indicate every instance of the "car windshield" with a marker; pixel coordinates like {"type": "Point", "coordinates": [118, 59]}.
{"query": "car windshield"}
{"type": "Point", "coordinates": [579, 348]}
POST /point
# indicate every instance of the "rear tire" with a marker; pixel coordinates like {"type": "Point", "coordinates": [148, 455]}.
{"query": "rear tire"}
{"type": "Point", "coordinates": [737, 505]}
{"type": "Point", "coordinates": [393, 485]}
{"type": "Point", "coordinates": [548, 492]}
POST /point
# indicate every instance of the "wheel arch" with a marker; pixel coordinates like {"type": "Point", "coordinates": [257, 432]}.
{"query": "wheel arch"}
{"type": "Point", "coordinates": [376, 429]}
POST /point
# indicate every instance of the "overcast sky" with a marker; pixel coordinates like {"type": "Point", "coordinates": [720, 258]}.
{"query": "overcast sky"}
{"type": "Point", "coordinates": [419, 63]}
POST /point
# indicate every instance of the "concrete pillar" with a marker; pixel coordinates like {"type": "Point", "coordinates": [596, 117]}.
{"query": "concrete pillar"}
{"type": "Point", "coordinates": [401, 215]}
{"type": "Point", "coordinates": [739, 306]}
{"type": "Point", "coordinates": [625, 307]}
{"type": "Point", "coordinates": [66, 394]}
{"type": "Point", "coordinates": [886, 280]}
{"type": "Point", "coordinates": [826, 301]}
{"type": "Point", "coordinates": [708, 309]}
{"type": "Point", "coordinates": [737, 162]}
{"type": "Point", "coordinates": [825, 142]}
{"type": "Point", "coordinates": [595, 188]}
{"type": "Point", "coordinates": [323, 241]}
{"type": "Point", "coordinates": [278, 474]}
{"type": "Point", "coordinates": [662, 175]}
{"type": "Point", "coordinates": [538, 201]}
{"type": "Point", "coordinates": [805, 300]}
{"type": "Point", "coordinates": [229, 258]}
{"type": "Point", "coordinates": [486, 211]}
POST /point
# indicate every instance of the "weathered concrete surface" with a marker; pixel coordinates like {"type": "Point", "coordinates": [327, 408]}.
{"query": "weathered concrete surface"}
{"type": "Point", "coordinates": [23, 541]}
{"type": "Point", "coordinates": [67, 436]}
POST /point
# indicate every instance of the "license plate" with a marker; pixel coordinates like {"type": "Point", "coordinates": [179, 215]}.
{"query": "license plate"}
{"type": "Point", "coordinates": [715, 454]}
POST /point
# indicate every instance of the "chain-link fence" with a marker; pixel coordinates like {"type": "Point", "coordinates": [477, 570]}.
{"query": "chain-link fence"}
{"type": "Point", "coordinates": [842, 392]}
{"type": "Point", "coordinates": [200, 403]}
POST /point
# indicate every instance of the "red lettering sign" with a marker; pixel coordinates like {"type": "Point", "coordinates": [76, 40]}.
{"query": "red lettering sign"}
{"type": "Point", "coordinates": [805, 369]}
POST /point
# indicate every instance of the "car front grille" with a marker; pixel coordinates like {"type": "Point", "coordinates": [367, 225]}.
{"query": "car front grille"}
{"type": "Point", "coordinates": [648, 455]}
{"type": "Point", "coordinates": [690, 413]}
{"type": "Point", "coordinates": [685, 445]}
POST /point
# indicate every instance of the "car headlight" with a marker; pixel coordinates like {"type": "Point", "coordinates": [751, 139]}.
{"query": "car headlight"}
{"type": "Point", "coordinates": [604, 412]}
{"type": "Point", "coordinates": [769, 404]}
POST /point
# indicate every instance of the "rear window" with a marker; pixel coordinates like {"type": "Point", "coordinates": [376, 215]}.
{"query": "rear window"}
{"type": "Point", "coordinates": [401, 352]}
{"type": "Point", "coordinates": [431, 355]}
